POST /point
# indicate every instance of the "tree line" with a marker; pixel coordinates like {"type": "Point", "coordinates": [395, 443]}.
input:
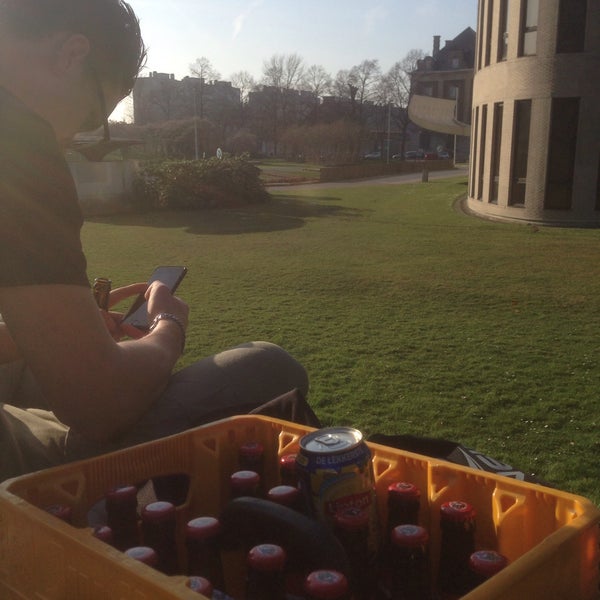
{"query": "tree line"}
{"type": "Point", "coordinates": [294, 109]}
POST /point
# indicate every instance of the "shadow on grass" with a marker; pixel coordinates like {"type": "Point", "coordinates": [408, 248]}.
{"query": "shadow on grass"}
{"type": "Point", "coordinates": [281, 213]}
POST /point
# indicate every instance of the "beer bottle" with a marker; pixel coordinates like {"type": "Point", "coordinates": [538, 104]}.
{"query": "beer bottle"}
{"type": "Point", "coordinates": [287, 470]}
{"type": "Point", "coordinates": [101, 291]}
{"type": "Point", "coordinates": [326, 584]}
{"type": "Point", "coordinates": [202, 540]}
{"type": "Point", "coordinates": [158, 528]}
{"type": "Point", "coordinates": [200, 585]}
{"type": "Point", "coordinates": [286, 495]}
{"type": "Point", "coordinates": [404, 500]}
{"type": "Point", "coordinates": [351, 527]}
{"type": "Point", "coordinates": [251, 457]}
{"type": "Point", "coordinates": [457, 543]}
{"type": "Point", "coordinates": [122, 518]}
{"type": "Point", "coordinates": [265, 578]}
{"type": "Point", "coordinates": [484, 564]}
{"type": "Point", "coordinates": [244, 483]}
{"type": "Point", "coordinates": [61, 511]}
{"type": "Point", "coordinates": [409, 559]}
{"type": "Point", "coordinates": [144, 554]}
{"type": "Point", "coordinates": [104, 533]}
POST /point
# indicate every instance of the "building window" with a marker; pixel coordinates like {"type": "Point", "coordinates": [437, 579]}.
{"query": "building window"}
{"type": "Point", "coordinates": [503, 31]}
{"type": "Point", "coordinates": [564, 121]}
{"type": "Point", "coordinates": [480, 34]}
{"type": "Point", "coordinates": [529, 25]}
{"type": "Point", "coordinates": [570, 35]}
{"type": "Point", "coordinates": [474, 154]}
{"type": "Point", "coordinates": [488, 32]}
{"type": "Point", "coordinates": [427, 89]}
{"type": "Point", "coordinates": [520, 152]}
{"type": "Point", "coordinates": [496, 149]}
{"type": "Point", "coordinates": [481, 157]}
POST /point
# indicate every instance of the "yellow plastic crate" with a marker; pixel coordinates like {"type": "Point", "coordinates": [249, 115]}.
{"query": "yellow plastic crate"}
{"type": "Point", "coordinates": [550, 537]}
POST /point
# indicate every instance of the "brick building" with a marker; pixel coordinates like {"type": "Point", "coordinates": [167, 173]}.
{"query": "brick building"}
{"type": "Point", "coordinates": [536, 112]}
{"type": "Point", "coordinates": [446, 74]}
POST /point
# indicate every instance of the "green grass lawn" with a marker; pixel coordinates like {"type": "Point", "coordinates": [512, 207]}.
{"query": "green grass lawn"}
{"type": "Point", "coordinates": [410, 316]}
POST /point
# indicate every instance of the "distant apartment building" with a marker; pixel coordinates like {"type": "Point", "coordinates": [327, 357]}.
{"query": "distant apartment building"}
{"type": "Point", "coordinates": [160, 97]}
{"type": "Point", "coordinates": [446, 74]}
{"type": "Point", "coordinates": [536, 112]}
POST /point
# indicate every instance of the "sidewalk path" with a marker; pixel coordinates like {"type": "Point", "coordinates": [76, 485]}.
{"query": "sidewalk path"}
{"type": "Point", "coordinates": [387, 180]}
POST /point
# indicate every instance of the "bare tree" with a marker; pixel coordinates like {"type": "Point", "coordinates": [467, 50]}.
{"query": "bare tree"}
{"type": "Point", "coordinates": [365, 77]}
{"type": "Point", "coordinates": [317, 80]}
{"type": "Point", "coordinates": [283, 71]}
{"type": "Point", "coordinates": [399, 84]}
{"type": "Point", "coordinates": [202, 68]}
{"type": "Point", "coordinates": [244, 82]}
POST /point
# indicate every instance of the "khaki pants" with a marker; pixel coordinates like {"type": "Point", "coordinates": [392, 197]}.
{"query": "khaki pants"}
{"type": "Point", "coordinates": [257, 377]}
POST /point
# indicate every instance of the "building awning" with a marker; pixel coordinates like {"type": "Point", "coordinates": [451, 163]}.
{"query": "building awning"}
{"type": "Point", "coordinates": [436, 114]}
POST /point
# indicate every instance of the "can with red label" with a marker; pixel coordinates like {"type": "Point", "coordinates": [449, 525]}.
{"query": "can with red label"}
{"type": "Point", "coordinates": [335, 472]}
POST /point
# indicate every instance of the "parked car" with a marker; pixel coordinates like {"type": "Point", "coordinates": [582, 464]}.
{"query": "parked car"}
{"type": "Point", "coordinates": [431, 155]}
{"type": "Point", "coordinates": [444, 154]}
{"type": "Point", "coordinates": [372, 156]}
{"type": "Point", "coordinates": [414, 155]}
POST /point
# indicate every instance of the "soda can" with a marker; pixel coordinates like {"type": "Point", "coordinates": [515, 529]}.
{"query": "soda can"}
{"type": "Point", "coordinates": [335, 472]}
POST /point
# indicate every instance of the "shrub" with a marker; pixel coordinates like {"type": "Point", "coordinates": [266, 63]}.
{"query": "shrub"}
{"type": "Point", "coordinates": [210, 183]}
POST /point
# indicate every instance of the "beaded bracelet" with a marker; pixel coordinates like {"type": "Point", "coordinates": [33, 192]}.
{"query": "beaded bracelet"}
{"type": "Point", "coordinates": [170, 317]}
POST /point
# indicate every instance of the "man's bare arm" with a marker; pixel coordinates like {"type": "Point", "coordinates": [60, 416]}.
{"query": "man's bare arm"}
{"type": "Point", "coordinates": [93, 384]}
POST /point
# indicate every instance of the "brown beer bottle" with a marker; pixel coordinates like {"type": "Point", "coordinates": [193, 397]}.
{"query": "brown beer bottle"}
{"type": "Point", "coordinates": [61, 511]}
{"type": "Point", "coordinates": [485, 564]}
{"type": "Point", "coordinates": [457, 543]}
{"type": "Point", "coordinates": [287, 470]}
{"type": "Point", "coordinates": [158, 528]}
{"type": "Point", "coordinates": [104, 533]}
{"type": "Point", "coordinates": [286, 495]}
{"type": "Point", "coordinates": [144, 554]}
{"type": "Point", "coordinates": [265, 579]}
{"type": "Point", "coordinates": [326, 584]}
{"type": "Point", "coordinates": [409, 559]}
{"type": "Point", "coordinates": [404, 501]}
{"type": "Point", "coordinates": [122, 518]}
{"type": "Point", "coordinates": [200, 585]}
{"type": "Point", "coordinates": [202, 540]}
{"type": "Point", "coordinates": [244, 483]}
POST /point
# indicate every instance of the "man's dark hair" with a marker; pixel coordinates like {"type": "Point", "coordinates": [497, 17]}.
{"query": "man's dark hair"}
{"type": "Point", "coordinates": [117, 52]}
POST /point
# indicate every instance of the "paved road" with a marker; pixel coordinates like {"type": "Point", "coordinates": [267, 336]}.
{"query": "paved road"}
{"type": "Point", "coordinates": [387, 180]}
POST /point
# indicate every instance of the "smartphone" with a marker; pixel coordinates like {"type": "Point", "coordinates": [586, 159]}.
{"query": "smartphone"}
{"type": "Point", "coordinates": [138, 313]}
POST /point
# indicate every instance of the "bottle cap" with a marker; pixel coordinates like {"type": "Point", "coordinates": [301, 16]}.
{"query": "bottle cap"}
{"type": "Point", "coordinates": [104, 533]}
{"type": "Point", "coordinates": [283, 494]}
{"type": "Point", "coordinates": [200, 585]}
{"type": "Point", "coordinates": [288, 462]}
{"type": "Point", "coordinates": [409, 536]}
{"type": "Point", "coordinates": [157, 512]}
{"type": "Point", "coordinates": [457, 511]}
{"type": "Point", "coordinates": [404, 489]}
{"type": "Point", "coordinates": [326, 585]}
{"type": "Point", "coordinates": [202, 528]}
{"type": "Point", "coordinates": [60, 511]}
{"type": "Point", "coordinates": [267, 557]}
{"type": "Point", "coordinates": [144, 554]}
{"type": "Point", "coordinates": [487, 562]}
{"type": "Point", "coordinates": [352, 519]}
{"type": "Point", "coordinates": [242, 480]}
{"type": "Point", "coordinates": [252, 449]}
{"type": "Point", "coordinates": [122, 495]}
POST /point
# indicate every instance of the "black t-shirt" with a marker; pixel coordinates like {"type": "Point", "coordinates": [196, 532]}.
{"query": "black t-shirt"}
{"type": "Point", "coordinates": [40, 216]}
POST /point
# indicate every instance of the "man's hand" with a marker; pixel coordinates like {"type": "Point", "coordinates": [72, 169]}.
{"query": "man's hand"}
{"type": "Point", "coordinates": [113, 320]}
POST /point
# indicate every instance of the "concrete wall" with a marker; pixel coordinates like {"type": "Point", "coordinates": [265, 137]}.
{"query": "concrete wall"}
{"type": "Point", "coordinates": [104, 187]}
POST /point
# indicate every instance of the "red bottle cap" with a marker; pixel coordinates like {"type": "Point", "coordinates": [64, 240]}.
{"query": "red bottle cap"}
{"type": "Point", "coordinates": [283, 494]}
{"type": "Point", "coordinates": [326, 585]}
{"type": "Point", "coordinates": [60, 511]}
{"type": "Point", "coordinates": [202, 528]}
{"type": "Point", "coordinates": [121, 495]}
{"type": "Point", "coordinates": [200, 585]}
{"type": "Point", "coordinates": [409, 536]}
{"type": "Point", "coordinates": [457, 511]}
{"type": "Point", "coordinates": [487, 562]}
{"type": "Point", "coordinates": [404, 489]}
{"type": "Point", "coordinates": [157, 512]}
{"type": "Point", "coordinates": [104, 533]}
{"type": "Point", "coordinates": [352, 519]}
{"type": "Point", "coordinates": [252, 450]}
{"type": "Point", "coordinates": [267, 557]}
{"type": "Point", "coordinates": [245, 480]}
{"type": "Point", "coordinates": [288, 462]}
{"type": "Point", "coordinates": [143, 554]}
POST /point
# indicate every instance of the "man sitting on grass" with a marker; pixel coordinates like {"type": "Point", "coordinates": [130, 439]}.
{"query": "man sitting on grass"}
{"type": "Point", "coordinates": [70, 384]}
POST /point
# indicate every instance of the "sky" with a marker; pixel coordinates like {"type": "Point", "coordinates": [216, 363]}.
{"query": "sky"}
{"type": "Point", "coordinates": [240, 35]}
